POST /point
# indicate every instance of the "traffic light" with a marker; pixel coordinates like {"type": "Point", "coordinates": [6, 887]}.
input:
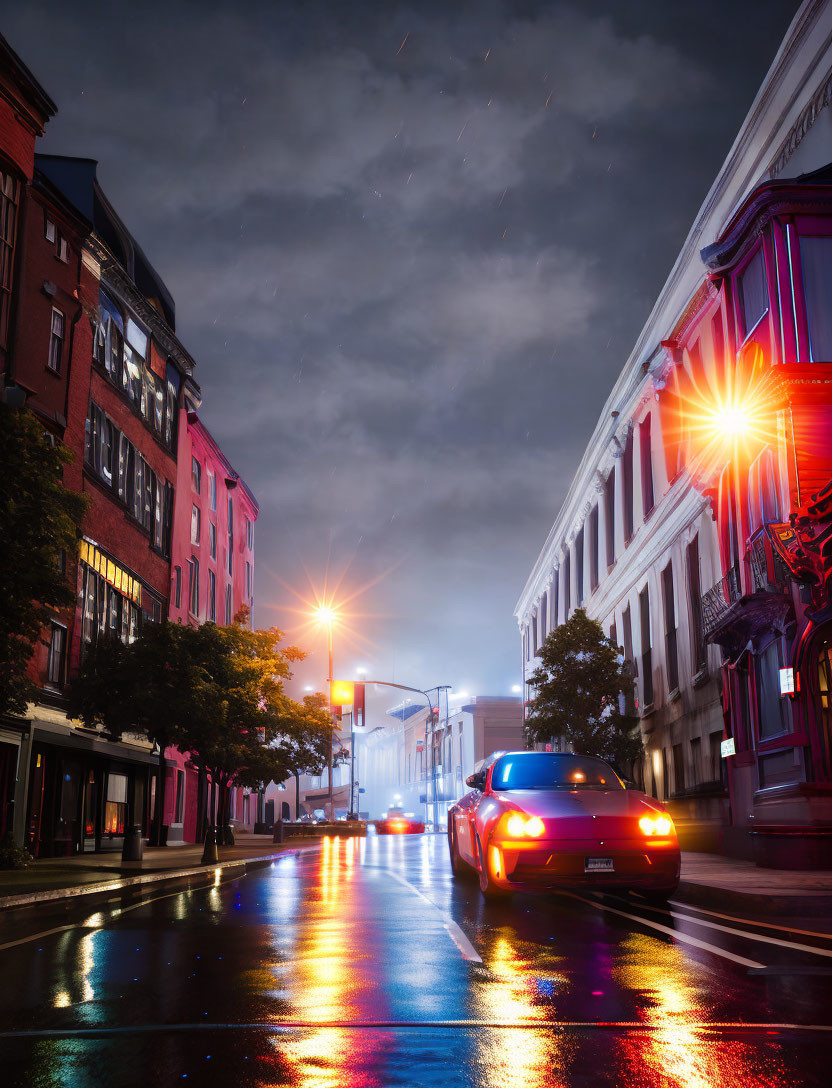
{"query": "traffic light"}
{"type": "Point", "coordinates": [342, 693]}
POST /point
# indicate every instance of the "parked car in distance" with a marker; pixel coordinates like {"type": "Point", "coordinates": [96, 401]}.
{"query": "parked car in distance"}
{"type": "Point", "coordinates": [538, 821]}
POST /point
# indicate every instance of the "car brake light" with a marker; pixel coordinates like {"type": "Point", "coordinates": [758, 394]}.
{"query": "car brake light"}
{"type": "Point", "coordinates": [518, 826]}
{"type": "Point", "coordinates": [662, 826]}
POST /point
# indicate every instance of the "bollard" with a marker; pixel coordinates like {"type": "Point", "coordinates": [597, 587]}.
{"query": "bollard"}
{"type": "Point", "coordinates": [228, 835]}
{"type": "Point", "coordinates": [133, 845]}
{"type": "Point", "coordinates": [210, 856]}
{"type": "Point", "coordinates": [277, 835]}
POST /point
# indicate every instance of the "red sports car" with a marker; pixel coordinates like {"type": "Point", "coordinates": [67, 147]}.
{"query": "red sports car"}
{"type": "Point", "coordinates": [537, 821]}
{"type": "Point", "coordinates": [396, 823]}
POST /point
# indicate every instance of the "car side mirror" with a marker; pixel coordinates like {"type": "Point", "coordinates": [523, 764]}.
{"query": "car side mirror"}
{"type": "Point", "coordinates": [629, 784]}
{"type": "Point", "coordinates": [476, 781]}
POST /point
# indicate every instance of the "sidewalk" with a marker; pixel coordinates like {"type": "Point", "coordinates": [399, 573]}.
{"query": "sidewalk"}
{"type": "Point", "coordinates": [722, 883]}
{"type": "Point", "coordinates": [52, 879]}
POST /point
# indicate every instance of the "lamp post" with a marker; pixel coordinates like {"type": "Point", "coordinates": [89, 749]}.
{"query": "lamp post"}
{"type": "Point", "coordinates": [327, 616]}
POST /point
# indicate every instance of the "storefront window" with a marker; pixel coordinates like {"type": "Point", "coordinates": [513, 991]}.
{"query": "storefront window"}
{"type": "Point", "coordinates": [816, 261]}
{"type": "Point", "coordinates": [115, 808]}
{"type": "Point", "coordinates": [774, 709]}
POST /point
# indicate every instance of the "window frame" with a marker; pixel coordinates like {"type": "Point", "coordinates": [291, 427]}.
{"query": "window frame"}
{"type": "Point", "coordinates": [55, 356]}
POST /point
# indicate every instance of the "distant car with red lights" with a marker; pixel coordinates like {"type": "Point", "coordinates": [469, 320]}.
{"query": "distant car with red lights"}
{"type": "Point", "coordinates": [539, 821]}
{"type": "Point", "coordinates": [397, 823]}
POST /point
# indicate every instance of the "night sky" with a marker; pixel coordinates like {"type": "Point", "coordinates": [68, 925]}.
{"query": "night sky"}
{"type": "Point", "coordinates": [411, 247]}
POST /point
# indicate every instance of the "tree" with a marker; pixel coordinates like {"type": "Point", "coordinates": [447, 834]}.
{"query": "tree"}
{"type": "Point", "coordinates": [40, 521]}
{"type": "Point", "coordinates": [305, 736]}
{"type": "Point", "coordinates": [579, 684]}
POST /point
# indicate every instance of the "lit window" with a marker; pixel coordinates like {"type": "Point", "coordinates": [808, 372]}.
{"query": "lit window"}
{"type": "Point", "coordinates": [57, 655]}
{"type": "Point", "coordinates": [63, 249]}
{"type": "Point", "coordinates": [56, 342]}
{"type": "Point", "coordinates": [196, 518]}
{"type": "Point", "coordinates": [48, 229]}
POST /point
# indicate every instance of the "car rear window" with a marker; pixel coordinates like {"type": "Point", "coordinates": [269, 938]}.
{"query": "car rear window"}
{"type": "Point", "coordinates": [553, 771]}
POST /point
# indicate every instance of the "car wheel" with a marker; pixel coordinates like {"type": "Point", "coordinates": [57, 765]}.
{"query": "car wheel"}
{"type": "Point", "coordinates": [489, 889]}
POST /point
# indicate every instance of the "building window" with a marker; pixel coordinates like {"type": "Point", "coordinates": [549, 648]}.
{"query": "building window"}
{"type": "Point", "coordinates": [9, 199]}
{"type": "Point", "coordinates": [718, 342]}
{"type": "Point", "coordinates": [774, 708]}
{"type": "Point", "coordinates": [763, 504]}
{"type": "Point", "coordinates": [671, 644]}
{"type": "Point", "coordinates": [179, 803]}
{"type": "Point", "coordinates": [193, 587]}
{"type": "Point", "coordinates": [646, 452]}
{"type": "Point", "coordinates": [249, 534]}
{"type": "Point", "coordinates": [629, 658]}
{"type": "Point", "coordinates": [62, 252]}
{"type": "Point", "coordinates": [196, 522]}
{"type": "Point", "coordinates": [48, 228]}
{"type": "Point", "coordinates": [56, 342]}
{"type": "Point", "coordinates": [177, 586]}
{"type": "Point", "coordinates": [212, 490]}
{"type": "Point", "coordinates": [228, 615]}
{"type": "Point", "coordinates": [646, 647]}
{"type": "Point", "coordinates": [716, 763]}
{"type": "Point", "coordinates": [249, 587]}
{"type": "Point", "coordinates": [695, 757]}
{"type": "Point", "coordinates": [101, 441]}
{"type": "Point", "coordinates": [627, 481]}
{"type": "Point", "coordinates": [196, 475]}
{"type": "Point", "coordinates": [533, 623]}
{"type": "Point", "coordinates": [609, 516]}
{"type": "Point", "coordinates": [115, 807]}
{"type": "Point", "coordinates": [230, 536]}
{"type": "Point", "coordinates": [57, 655]}
{"type": "Point", "coordinates": [212, 596]}
{"type": "Point", "coordinates": [753, 292]}
{"type": "Point", "coordinates": [700, 651]}
{"type": "Point", "coordinates": [212, 539]}
{"type": "Point", "coordinates": [555, 593]}
{"type": "Point", "coordinates": [593, 548]}
{"type": "Point", "coordinates": [544, 615]}
{"type": "Point", "coordinates": [816, 262]}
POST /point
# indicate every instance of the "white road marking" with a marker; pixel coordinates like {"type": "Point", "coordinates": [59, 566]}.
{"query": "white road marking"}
{"type": "Point", "coordinates": [752, 922]}
{"type": "Point", "coordinates": [760, 937]}
{"type": "Point", "coordinates": [454, 932]}
{"type": "Point", "coordinates": [683, 938]}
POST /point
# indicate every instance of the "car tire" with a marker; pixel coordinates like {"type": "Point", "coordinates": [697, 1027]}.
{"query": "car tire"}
{"type": "Point", "coordinates": [489, 889]}
{"type": "Point", "coordinates": [459, 867]}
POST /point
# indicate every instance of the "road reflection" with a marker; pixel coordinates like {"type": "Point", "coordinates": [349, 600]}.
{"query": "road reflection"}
{"type": "Point", "coordinates": [330, 981]}
{"type": "Point", "coordinates": [677, 1052]}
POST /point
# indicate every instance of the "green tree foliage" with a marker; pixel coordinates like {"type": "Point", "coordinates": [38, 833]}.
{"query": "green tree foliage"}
{"type": "Point", "coordinates": [578, 682]}
{"type": "Point", "coordinates": [214, 692]}
{"type": "Point", "coordinates": [39, 520]}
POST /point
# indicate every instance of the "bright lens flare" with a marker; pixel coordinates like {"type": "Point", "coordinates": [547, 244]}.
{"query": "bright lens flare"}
{"type": "Point", "coordinates": [732, 421]}
{"type": "Point", "coordinates": [325, 615]}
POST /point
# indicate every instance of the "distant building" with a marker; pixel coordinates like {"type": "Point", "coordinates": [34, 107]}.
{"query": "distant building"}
{"type": "Point", "coordinates": [696, 527]}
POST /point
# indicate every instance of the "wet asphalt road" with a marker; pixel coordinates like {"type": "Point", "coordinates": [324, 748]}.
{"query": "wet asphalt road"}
{"type": "Point", "coordinates": [364, 964]}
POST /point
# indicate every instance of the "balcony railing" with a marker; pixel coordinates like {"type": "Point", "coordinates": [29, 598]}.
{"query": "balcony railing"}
{"type": "Point", "coordinates": [719, 599]}
{"type": "Point", "coordinates": [768, 573]}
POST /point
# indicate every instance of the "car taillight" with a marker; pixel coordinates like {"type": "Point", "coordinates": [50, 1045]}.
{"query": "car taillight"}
{"type": "Point", "coordinates": [398, 825]}
{"type": "Point", "coordinates": [656, 826]}
{"type": "Point", "coordinates": [518, 826]}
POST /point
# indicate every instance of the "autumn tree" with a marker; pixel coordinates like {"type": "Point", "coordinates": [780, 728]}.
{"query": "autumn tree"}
{"type": "Point", "coordinates": [40, 525]}
{"type": "Point", "coordinates": [305, 735]}
{"type": "Point", "coordinates": [581, 687]}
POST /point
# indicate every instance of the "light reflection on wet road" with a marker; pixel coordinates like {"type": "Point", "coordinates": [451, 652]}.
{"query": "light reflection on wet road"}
{"type": "Point", "coordinates": [329, 969]}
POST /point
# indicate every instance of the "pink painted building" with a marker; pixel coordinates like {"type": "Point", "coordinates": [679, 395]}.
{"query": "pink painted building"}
{"type": "Point", "coordinates": [212, 578]}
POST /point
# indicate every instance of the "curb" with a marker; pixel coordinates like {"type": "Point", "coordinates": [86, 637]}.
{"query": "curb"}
{"type": "Point", "coordinates": [28, 899]}
{"type": "Point", "coordinates": [802, 904]}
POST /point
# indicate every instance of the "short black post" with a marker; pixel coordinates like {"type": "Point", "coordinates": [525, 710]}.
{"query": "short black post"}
{"type": "Point", "coordinates": [210, 855]}
{"type": "Point", "coordinates": [133, 845]}
{"type": "Point", "coordinates": [277, 834]}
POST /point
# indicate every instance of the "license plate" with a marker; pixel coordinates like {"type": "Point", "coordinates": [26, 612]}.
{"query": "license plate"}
{"type": "Point", "coordinates": [598, 865]}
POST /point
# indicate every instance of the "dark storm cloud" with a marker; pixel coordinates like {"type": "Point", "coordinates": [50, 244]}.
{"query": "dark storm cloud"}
{"type": "Point", "coordinates": [409, 272]}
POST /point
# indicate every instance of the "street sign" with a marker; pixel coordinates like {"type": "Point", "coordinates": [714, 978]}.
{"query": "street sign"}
{"type": "Point", "coordinates": [787, 681]}
{"type": "Point", "coordinates": [728, 748]}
